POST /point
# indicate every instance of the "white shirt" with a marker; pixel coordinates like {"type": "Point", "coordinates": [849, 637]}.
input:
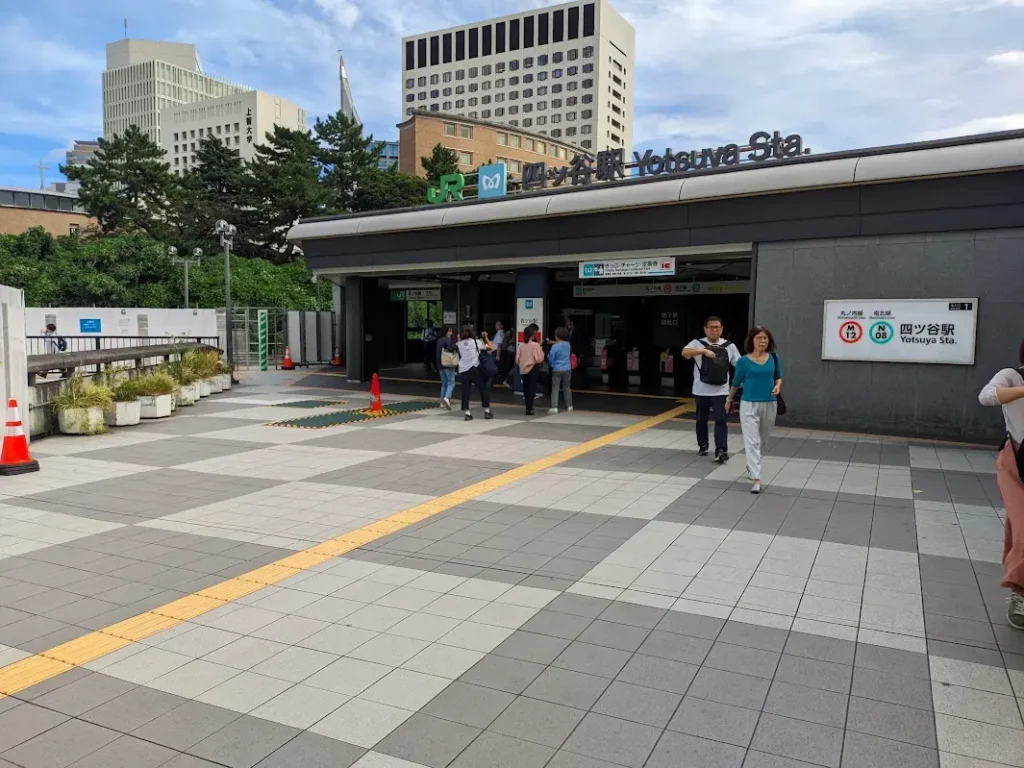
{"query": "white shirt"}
{"type": "Point", "coordinates": [499, 339]}
{"type": "Point", "coordinates": [469, 354]}
{"type": "Point", "coordinates": [701, 389]}
{"type": "Point", "coordinates": [1013, 413]}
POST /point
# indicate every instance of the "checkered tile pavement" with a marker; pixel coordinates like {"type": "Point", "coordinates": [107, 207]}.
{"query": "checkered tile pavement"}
{"type": "Point", "coordinates": [633, 607]}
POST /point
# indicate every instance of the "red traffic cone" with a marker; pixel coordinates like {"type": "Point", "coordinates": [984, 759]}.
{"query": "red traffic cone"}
{"type": "Point", "coordinates": [287, 364]}
{"type": "Point", "coordinates": [14, 457]}
{"type": "Point", "coordinates": [375, 404]}
{"type": "Point", "coordinates": [336, 360]}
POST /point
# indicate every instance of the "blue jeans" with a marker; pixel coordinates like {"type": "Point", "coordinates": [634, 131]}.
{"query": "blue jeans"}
{"type": "Point", "coordinates": [517, 380]}
{"type": "Point", "coordinates": [447, 383]}
{"type": "Point", "coordinates": [712, 408]}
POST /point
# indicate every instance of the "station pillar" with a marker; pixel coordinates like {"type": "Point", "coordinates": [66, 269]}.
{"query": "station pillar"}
{"type": "Point", "coordinates": [533, 289]}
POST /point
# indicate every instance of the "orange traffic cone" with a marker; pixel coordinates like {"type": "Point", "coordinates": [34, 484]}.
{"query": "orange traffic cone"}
{"type": "Point", "coordinates": [375, 404]}
{"type": "Point", "coordinates": [14, 457]}
{"type": "Point", "coordinates": [336, 360]}
{"type": "Point", "coordinates": [287, 364]}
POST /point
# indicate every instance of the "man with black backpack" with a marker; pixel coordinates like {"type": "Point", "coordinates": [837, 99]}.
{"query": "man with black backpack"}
{"type": "Point", "coordinates": [713, 360]}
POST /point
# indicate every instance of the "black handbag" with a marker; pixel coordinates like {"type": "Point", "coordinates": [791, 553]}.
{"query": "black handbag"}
{"type": "Point", "coordinates": [780, 409]}
{"type": "Point", "coordinates": [488, 366]}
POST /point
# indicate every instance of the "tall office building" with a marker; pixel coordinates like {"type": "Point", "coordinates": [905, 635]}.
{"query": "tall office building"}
{"type": "Point", "coordinates": [388, 155]}
{"type": "Point", "coordinates": [564, 71]}
{"type": "Point", "coordinates": [348, 104]}
{"type": "Point", "coordinates": [145, 76]}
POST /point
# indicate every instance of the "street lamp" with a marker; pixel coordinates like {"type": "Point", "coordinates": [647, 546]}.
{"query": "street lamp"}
{"type": "Point", "coordinates": [197, 254]}
{"type": "Point", "coordinates": [227, 239]}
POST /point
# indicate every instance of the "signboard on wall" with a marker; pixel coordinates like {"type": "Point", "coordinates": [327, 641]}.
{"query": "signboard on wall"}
{"type": "Point", "coordinates": [716, 288]}
{"type": "Point", "coordinates": [529, 311]}
{"type": "Point", "coordinates": [939, 331]}
{"type": "Point", "coordinates": [416, 294]}
{"type": "Point", "coordinates": [628, 268]}
{"type": "Point", "coordinates": [450, 318]}
{"type": "Point", "coordinates": [90, 325]}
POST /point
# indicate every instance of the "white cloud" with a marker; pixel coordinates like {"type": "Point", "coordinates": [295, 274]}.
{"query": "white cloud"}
{"type": "Point", "coordinates": [978, 125]}
{"type": "Point", "coordinates": [343, 12]}
{"type": "Point", "coordinates": [1007, 59]}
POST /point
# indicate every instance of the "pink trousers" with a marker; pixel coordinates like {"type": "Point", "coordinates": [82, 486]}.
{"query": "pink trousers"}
{"type": "Point", "coordinates": [1012, 490]}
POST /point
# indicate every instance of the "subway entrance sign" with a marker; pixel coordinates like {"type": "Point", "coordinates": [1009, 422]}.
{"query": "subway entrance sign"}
{"type": "Point", "coordinates": [416, 294]}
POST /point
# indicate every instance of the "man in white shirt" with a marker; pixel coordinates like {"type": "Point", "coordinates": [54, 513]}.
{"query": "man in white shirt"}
{"type": "Point", "coordinates": [713, 360]}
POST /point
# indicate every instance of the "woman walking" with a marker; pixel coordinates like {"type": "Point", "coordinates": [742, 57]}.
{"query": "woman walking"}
{"type": "Point", "coordinates": [1007, 390]}
{"type": "Point", "coordinates": [529, 356]}
{"type": "Point", "coordinates": [560, 362]}
{"type": "Point", "coordinates": [759, 374]}
{"type": "Point", "coordinates": [447, 362]}
{"type": "Point", "coordinates": [470, 350]}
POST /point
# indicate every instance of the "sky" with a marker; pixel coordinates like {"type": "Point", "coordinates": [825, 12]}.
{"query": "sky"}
{"type": "Point", "coordinates": [844, 74]}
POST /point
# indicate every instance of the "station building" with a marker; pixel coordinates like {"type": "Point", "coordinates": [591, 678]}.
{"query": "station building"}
{"type": "Point", "coordinates": [892, 278]}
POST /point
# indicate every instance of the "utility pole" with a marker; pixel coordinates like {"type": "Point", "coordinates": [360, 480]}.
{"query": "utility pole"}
{"type": "Point", "coordinates": [227, 240]}
{"type": "Point", "coordinates": [197, 255]}
{"type": "Point", "coordinates": [41, 167]}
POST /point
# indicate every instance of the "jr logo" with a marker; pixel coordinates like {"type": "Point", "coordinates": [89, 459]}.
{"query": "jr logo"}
{"type": "Point", "coordinates": [450, 189]}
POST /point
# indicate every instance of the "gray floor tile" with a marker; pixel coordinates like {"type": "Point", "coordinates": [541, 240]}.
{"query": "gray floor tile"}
{"type": "Point", "coordinates": [892, 721]}
{"type": "Point", "coordinates": [502, 673]}
{"type": "Point", "coordinates": [747, 661]}
{"type": "Point", "coordinates": [133, 709]}
{"type": "Point", "coordinates": [539, 722]}
{"type": "Point", "coordinates": [864, 751]}
{"type": "Point", "coordinates": [127, 752]}
{"type": "Point", "coordinates": [310, 750]}
{"type": "Point", "coordinates": [25, 721]}
{"type": "Point", "coordinates": [718, 722]}
{"type": "Point", "coordinates": [821, 648]}
{"type": "Point", "coordinates": [469, 704]}
{"type": "Point", "coordinates": [557, 624]}
{"type": "Point", "coordinates": [188, 761]}
{"type": "Point", "coordinates": [618, 741]}
{"type": "Point", "coordinates": [563, 686]}
{"type": "Point", "coordinates": [798, 739]}
{"type": "Point", "coordinates": [892, 688]}
{"type": "Point", "coordinates": [637, 615]}
{"type": "Point", "coordinates": [815, 674]}
{"type": "Point", "coordinates": [624, 637]}
{"type": "Point", "coordinates": [678, 750]}
{"type": "Point", "coordinates": [186, 725]}
{"type": "Point", "coordinates": [641, 705]}
{"type": "Point", "coordinates": [493, 750]}
{"type": "Point", "coordinates": [764, 638]}
{"type": "Point", "coordinates": [242, 743]}
{"type": "Point", "coordinates": [427, 741]}
{"type": "Point", "coordinates": [660, 674]}
{"type": "Point", "coordinates": [529, 646]}
{"type": "Point", "coordinates": [82, 695]}
{"type": "Point", "coordinates": [730, 688]}
{"type": "Point", "coordinates": [811, 704]}
{"type": "Point", "coordinates": [891, 660]}
{"type": "Point", "coordinates": [592, 659]}
{"type": "Point", "coordinates": [667, 645]}
{"type": "Point", "coordinates": [61, 746]}
{"type": "Point", "coordinates": [764, 760]}
{"type": "Point", "coordinates": [563, 759]}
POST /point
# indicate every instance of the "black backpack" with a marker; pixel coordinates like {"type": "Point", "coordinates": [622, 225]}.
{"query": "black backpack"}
{"type": "Point", "coordinates": [62, 344]}
{"type": "Point", "coordinates": [715, 372]}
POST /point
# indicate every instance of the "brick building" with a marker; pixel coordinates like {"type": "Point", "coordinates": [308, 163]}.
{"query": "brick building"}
{"type": "Point", "coordinates": [56, 212]}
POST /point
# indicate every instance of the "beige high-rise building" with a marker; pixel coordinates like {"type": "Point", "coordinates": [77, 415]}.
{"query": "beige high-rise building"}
{"type": "Point", "coordinates": [240, 121]}
{"type": "Point", "coordinates": [145, 76]}
{"type": "Point", "coordinates": [565, 71]}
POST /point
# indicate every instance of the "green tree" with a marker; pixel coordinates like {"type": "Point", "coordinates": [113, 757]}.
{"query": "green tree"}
{"type": "Point", "coordinates": [381, 190]}
{"type": "Point", "coordinates": [348, 158]}
{"type": "Point", "coordinates": [127, 186]}
{"type": "Point", "coordinates": [286, 185]}
{"type": "Point", "coordinates": [442, 161]}
{"type": "Point", "coordinates": [217, 186]}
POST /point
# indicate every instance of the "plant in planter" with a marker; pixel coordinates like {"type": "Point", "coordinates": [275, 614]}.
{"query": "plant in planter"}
{"type": "Point", "coordinates": [155, 391]}
{"type": "Point", "coordinates": [211, 370]}
{"type": "Point", "coordinates": [202, 366]}
{"type": "Point", "coordinates": [126, 410]}
{"type": "Point", "coordinates": [80, 406]}
{"type": "Point", "coordinates": [182, 372]}
{"type": "Point", "coordinates": [224, 372]}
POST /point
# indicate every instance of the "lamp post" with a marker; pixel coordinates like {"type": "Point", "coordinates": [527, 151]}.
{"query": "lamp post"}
{"type": "Point", "coordinates": [227, 238]}
{"type": "Point", "coordinates": [197, 254]}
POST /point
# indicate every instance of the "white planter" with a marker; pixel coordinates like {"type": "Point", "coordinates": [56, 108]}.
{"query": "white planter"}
{"type": "Point", "coordinates": [81, 421]}
{"type": "Point", "coordinates": [174, 403]}
{"type": "Point", "coordinates": [188, 394]}
{"type": "Point", "coordinates": [203, 387]}
{"type": "Point", "coordinates": [156, 406]}
{"type": "Point", "coordinates": [215, 384]}
{"type": "Point", "coordinates": [124, 414]}
{"type": "Point", "coordinates": [225, 381]}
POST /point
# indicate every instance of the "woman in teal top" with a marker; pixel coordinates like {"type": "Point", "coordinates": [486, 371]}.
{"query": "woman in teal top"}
{"type": "Point", "coordinates": [759, 374]}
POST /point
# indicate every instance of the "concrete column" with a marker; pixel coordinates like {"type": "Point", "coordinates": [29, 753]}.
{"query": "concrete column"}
{"type": "Point", "coordinates": [339, 318]}
{"type": "Point", "coordinates": [353, 292]}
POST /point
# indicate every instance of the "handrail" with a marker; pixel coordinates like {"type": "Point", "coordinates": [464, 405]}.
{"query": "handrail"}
{"type": "Point", "coordinates": [62, 361]}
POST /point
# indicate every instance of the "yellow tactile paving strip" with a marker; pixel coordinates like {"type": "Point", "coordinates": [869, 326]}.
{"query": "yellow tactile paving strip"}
{"type": "Point", "coordinates": [48, 664]}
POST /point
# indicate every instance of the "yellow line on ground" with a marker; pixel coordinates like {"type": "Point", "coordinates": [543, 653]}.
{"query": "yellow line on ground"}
{"type": "Point", "coordinates": [43, 666]}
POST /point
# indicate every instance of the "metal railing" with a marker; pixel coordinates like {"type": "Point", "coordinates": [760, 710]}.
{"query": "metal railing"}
{"type": "Point", "coordinates": [48, 345]}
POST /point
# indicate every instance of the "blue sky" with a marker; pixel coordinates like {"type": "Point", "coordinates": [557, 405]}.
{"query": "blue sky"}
{"type": "Point", "coordinates": [843, 73]}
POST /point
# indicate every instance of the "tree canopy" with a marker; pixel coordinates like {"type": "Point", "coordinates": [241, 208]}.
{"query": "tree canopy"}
{"type": "Point", "coordinates": [442, 162]}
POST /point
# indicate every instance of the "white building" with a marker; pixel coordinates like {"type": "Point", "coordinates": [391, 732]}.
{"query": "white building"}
{"type": "Point", "coordinates": [241, 121]}
{"type": "Point", "coordinates": [348, 104]}
{"type": "Point", "coordinates": [145, 76]}
{"type": "Point", "coordinates": [564, 71]}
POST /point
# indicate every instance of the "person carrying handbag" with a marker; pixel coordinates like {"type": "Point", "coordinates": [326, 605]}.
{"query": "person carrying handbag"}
{"type": "Point", "coordinates": [529, 358]}
{"type": "Point", "coordinates": [471, 354]}
{"type": "Point", "coordinates": [447, 364]}
{"type": "Point", "coordinates": [759, 375]}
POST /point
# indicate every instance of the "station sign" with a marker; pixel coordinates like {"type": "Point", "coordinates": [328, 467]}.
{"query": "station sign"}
{"type": "Point", "coordinates": [416, 294]}
{"type": "Point", "coordinates": [628, 268]}
{"type": "Point", "coordinates": [938, 331]}
{"type": "Point", "coordinates": [492, 180]}
{"type": "Point", "coordinates": [716, 288]}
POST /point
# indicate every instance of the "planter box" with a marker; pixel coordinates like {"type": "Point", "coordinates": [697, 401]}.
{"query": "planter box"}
{"type": "Point", "coordinates": [174, 402]}
{"type": "Point", "coordinates": [225, 381]}
{"type": "Point", "coordinates": [215, 384]}
{"type": "Point", "coordinates": [189, 394]}
{"type": "Point", "coordinates": [124, 414]}
{"type": "Point", "coordinates": [81, 421]}
{"type": "Point", "coordinates": [203, 386]}
{"type": "Point", "coordinates": [156, 406]}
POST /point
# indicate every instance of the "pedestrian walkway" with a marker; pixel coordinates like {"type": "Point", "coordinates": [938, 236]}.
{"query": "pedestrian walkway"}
{"type": "Point", "coordinates": [620, 603]}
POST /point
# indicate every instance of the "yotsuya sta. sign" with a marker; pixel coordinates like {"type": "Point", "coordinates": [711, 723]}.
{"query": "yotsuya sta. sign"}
{"type": "Point", "coordinates": [760, 147]}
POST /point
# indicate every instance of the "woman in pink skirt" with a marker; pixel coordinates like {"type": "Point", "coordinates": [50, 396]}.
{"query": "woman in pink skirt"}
{"type": "Point", "coordinates": [1007, 390]}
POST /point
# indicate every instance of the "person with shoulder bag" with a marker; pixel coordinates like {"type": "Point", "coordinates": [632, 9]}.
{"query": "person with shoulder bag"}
{"type": "Point", "coordinates": [714, 359]}
{"type": "Point", "coordinates": [759, 374]}
{"type": "Point", "coordinates": [471, 356]}
{"type": "Point", "coordinates": [529, 358]}
{"type": "Point", "coordinates": [447, 364]}
{"type": "Point", "coordinates": [1006, 390]}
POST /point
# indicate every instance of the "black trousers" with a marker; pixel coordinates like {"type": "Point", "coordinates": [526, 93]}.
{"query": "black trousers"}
{"type": "Point", "coordinates": [473, 376]}
{"type": "Point", "coordinates": [712, 408]}
{"type": "Point", "coordinates": [530, 386]}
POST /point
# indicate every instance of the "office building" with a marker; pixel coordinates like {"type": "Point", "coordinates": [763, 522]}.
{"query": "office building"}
{"type": "Point", "coordinates": [80, 154]}
{"type": "Point", "coordinates": [476, 143]}
{"type": "Point", "coordinates": [565, 72]}
{"type": "Point", "coordinates": [348, 104]}
{"type": "Point", "coordinates": [144, 77]}
{"type": "Point", "coordinates": [389, 155]}
{"type": "Point", "coordinates": [241, 121]}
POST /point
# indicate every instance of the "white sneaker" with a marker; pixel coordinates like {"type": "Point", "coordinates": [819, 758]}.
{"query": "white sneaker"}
{"type": "Point", "coordinates": [569, 409]}
{"type": "Point", "coordinates": [756, 487]}
{"type": "Point", "coordinates": [447, 403]}
{"type": "Point", "coordinates": [1015, 610]}
{"type": "Point", "coordinates": [552, 411]}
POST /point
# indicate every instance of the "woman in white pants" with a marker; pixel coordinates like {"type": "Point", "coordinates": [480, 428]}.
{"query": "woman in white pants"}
{"type": "Point", "coordinates": [759, 375]}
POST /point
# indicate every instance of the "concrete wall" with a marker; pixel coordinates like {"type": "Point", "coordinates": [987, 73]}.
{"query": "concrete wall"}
{"type": "Point", "coordinates": [794, 278]}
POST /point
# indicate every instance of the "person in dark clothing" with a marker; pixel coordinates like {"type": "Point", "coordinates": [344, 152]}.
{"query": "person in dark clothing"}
{"type": "Point", "coordinates": [429, 337]}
